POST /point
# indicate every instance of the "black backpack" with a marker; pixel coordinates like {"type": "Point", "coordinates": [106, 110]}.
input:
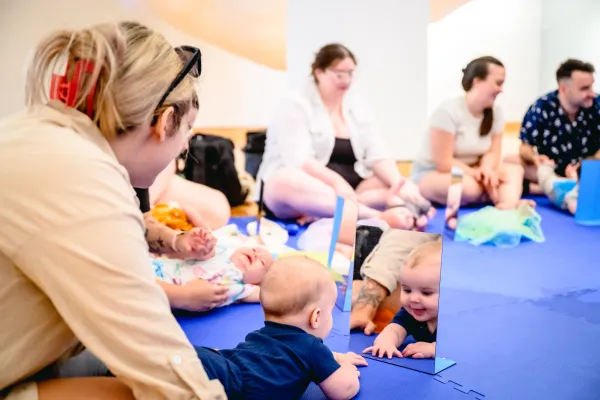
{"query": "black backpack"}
{"type": "Point", "coordinates": [210, 161]}
{"type": "Point", "coordinates": [367, 237]}
{"type": "Point", "coordinates": [254, 150]}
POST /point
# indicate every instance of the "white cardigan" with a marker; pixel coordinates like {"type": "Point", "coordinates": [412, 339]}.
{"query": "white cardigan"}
{"type": "Point", "coordinates": [302, 129]}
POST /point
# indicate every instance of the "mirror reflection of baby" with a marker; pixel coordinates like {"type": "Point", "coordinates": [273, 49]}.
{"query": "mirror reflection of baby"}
{"type": "Point", "coordinates": [282, 358]}
{"type": "Point", "coordinates": [240, 273]}
{"type": "Point", "coordinates": [418, 316]}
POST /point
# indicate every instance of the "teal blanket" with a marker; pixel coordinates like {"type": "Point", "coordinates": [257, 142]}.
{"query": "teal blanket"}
{"type": "Point", "coordinates": [501, 228]}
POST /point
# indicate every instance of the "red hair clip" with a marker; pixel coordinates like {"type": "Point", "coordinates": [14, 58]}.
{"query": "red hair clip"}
{"type": "Point", "coordinates": [66, 91]}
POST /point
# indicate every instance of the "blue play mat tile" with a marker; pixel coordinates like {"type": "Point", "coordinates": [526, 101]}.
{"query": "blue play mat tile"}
{"type": "Point", "coordinates": [522, 351]}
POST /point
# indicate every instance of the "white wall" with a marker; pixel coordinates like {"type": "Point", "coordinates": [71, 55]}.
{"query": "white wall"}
{"type": "Point", "coordinates": [233, 90]}
{"type": "Point", "coordinates": [506, 29]}
{"type": "Point", "coordinates": [570, 29]}
{"type": "Point", "coordinates": [390, 43]}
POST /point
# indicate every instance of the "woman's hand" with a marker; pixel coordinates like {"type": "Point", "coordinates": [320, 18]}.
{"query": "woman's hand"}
{"type": "Point", "coordinates": [490, 180]}
{"type": "Point", "coordinates": [197, 243]}
{"type": "Point", "coordinates": [408, 191]}
{"type": "Point", "coordinates": [199, 295]}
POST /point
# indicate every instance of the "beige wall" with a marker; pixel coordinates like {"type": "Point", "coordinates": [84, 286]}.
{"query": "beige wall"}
{"type": "Point", "coordinates": [234, 91]}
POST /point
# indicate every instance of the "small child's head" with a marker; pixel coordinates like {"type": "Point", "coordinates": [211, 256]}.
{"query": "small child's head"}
{"type": "Point", "coordinates": [298, 291]}
{"type": "Point", "coordinates": [420, 281]}
{"type": "Point", "coordinates": [253, 262]}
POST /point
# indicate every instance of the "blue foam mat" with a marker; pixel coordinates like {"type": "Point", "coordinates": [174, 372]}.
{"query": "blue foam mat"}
{"type": "Point", "coordinates": [531, 270]}
{"type": "Point", "coordinates": [523, 351]}
{"type": "Point", "coordinates": [520, 323]}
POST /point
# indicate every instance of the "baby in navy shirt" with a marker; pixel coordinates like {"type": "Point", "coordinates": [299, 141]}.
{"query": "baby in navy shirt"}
{"type": "Point", "coordinates": [281, 359]}
{"type": "Point", "coordinates": [418, 316]}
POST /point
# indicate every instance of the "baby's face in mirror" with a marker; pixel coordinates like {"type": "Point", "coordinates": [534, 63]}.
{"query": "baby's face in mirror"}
{"type": "Point", "coordinates": [253, 262]}
{"type": "Point", "coordinates": [420, 292]}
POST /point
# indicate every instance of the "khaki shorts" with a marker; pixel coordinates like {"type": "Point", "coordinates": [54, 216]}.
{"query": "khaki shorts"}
{"type": "Point", "coordinates": [24, 391]}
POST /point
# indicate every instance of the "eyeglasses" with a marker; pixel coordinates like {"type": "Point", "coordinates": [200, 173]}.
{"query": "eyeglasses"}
{"type": "Point", "coordinates": [193, 66]}
{"type": "Point", "coordinates": [341, 74]}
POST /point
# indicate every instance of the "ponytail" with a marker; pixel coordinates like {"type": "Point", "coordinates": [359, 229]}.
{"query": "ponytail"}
{"type": "Point", "coordinates": [487, 123]}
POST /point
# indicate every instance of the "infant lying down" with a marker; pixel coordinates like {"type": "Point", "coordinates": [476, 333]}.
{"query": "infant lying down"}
{"type": "Point", "coordinates": [240, 271]}
{"type": "Point", "coordinates": [281, 359]}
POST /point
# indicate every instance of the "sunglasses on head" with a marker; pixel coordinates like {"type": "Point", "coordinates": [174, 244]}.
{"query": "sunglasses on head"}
{"type": "Point", "coordinates": [193, 66]}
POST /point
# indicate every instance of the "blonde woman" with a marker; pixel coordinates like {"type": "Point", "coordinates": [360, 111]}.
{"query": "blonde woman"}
{"type": "Point", "coordinates": [73, 257]}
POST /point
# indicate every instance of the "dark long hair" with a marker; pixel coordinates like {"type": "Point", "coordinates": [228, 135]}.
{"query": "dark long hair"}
{"type": "Point", "coordinates": [479, 68]}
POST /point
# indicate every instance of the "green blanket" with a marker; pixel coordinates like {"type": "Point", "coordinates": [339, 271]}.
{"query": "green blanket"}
{"type": "Point", "coordinates": [501, 228]}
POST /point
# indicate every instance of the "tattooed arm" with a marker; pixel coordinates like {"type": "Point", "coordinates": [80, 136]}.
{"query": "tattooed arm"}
{"type": "Point", "coordinates": [161, 239]}
{"type": "Point", "coordinates": [365, 306]}
{"type": "Point", "coordinates": [371, 294]}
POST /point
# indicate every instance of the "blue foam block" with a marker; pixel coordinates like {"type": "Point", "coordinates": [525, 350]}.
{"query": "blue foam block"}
{"type": "Point", "coordinates": [588, 202]}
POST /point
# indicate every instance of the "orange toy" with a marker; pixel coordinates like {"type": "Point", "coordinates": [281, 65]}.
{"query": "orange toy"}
{"type": "Point", "coordinates": [172, 217]}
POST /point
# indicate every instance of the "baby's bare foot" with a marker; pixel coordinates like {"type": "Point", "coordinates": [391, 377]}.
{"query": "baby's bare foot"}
{"type": "Point", "coordinates": [398, 218]}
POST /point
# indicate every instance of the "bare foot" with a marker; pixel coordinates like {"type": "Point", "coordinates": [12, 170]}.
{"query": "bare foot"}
{"type": "Point", "coordinates": [452, 223]}
{"type": "Point", "coordinates": [399, 218]}
{"type": "Point", "coordinates": [571, 171]}
{"type": "Point", "coordinates": [511, 206]}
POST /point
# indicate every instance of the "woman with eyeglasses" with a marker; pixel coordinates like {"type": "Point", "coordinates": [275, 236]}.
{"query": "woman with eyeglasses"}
{"type": "Point", "coordinates": [73, 258]}
{"type": "Point", "coordinates": [324, 142]}
{"type": "Point", "coordinates": [204, 205]}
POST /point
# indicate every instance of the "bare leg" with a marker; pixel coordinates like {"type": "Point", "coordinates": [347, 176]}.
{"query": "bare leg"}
{"type": "Point", "coordinates": [511, 187]}
{"type": "Point", "coordinates": [530, 172]}
{"type": "Point", "coordinates": [292, 193]}
{"type": "Point", "coordinates": [347, 233]}
{"type": "Point", "coordinates": [83, 389]}
{"type": "Point", "coordinates": [434, 186]}
{"type": "Point", "coordinates": [374, 193]}
{"type": "Point", "coordinates": [210, 205]}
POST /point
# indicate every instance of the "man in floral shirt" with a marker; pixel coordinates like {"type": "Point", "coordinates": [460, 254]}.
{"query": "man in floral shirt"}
{"type": "Point", "coordinates": [564, 125]}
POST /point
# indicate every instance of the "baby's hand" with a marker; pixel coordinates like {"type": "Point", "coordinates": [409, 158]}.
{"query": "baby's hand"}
{"type": "Point", "coordinates": [383, 347]}
{"type": "Point", "coordinates": [350, 358]}
{"type": "Point", "coordinates": [419, 350]}
{"type": "Point", "coordinates": [349, 368]}
{"type": "Point", "coordinates": [197, 243]}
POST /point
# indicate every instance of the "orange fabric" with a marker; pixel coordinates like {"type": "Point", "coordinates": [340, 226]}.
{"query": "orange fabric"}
{"type": "Point", "coordinates": [383, 317]}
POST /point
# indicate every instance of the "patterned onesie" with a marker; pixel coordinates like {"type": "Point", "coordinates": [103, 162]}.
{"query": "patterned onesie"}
{"type": "Point", "coordinates": [217, 270]}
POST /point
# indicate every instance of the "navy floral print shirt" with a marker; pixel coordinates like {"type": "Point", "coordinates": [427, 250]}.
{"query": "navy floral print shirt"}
{"type": "Point", "coordinates": [547, 127]}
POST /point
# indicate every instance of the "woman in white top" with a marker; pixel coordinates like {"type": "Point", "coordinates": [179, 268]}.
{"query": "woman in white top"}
{"type": "Point", "coordinates": [465, 132]}
{"type": "Point", "coordinates": [324, 142]}
{"type": "Point", "coordinates": [73, 258]}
